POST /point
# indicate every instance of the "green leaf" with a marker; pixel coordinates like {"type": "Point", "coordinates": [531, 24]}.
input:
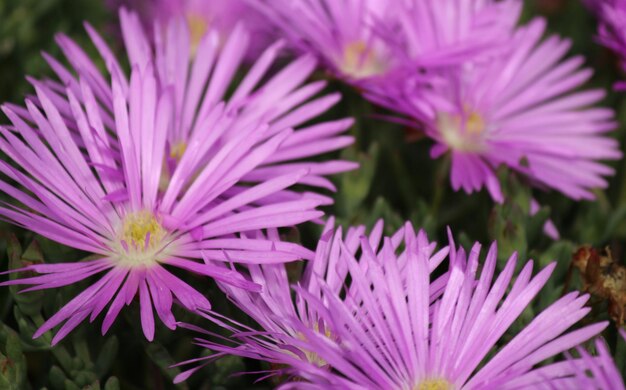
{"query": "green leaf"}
{"type": "Point", "coordinates": [84, 378]}
{"type": "Point", "coordinates": [29, 303]}
{"type": "Point", "coordinates": [224, 367]}
{"type": "Point", "coordinates": [106, 357]}
{"type": "Point", "coordinates": [93, 386]}
{"type": "Point", "coordinates": [57, 378]}
{"type": "Point", "coordinates": [69, 385]}
{"type": "Point", "coordinates": [27, 328]}
{"type": "Point", "coordinates": [535, 224]}
{"type": "Point", "coordinates": [14, 348]}
{"type": "Point", "coordinates": [112, 384]}
{"type": "Point", "coordinates": [424, 218]}
{"type": "Point", "coordinates": [14, 252]}
{"type": "Point", "coordinates": [13, 362]}
{"type": "Point", "coordinates": [382, 210]}
{"type": "Point", "coordinates": [508, 221]}
{"type": "Point", "coordinates": [162, 358]}
{"type": "Point", "coordinates": [4, 382]}
{"type": "Point", "coordinates": [354, 186]}
{"type": "Point", "coordinates": [5, 333]}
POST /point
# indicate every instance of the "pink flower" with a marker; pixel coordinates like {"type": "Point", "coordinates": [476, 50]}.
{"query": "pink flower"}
{"type": "Point", "coordinates": [612, 17]}
{"type": "Point", "coordinates": [221, 16]}
{"type": "Point", "coordinates": [156, 171]}
{"type": "Point", "coordinates": [280, 318]}
{"type": "Point", "coordinates": [595, 372]}
{"type": "Point", "coordinates": [395, 337]}
{"type": "Point", "coordinates": [363, 41]}
{"type": "Point", "coordinates": [521, 109]}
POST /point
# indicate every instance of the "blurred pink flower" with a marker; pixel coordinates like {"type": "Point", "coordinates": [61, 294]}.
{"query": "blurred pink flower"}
{"type": "Point", "coordinates": [521, 109]}
{"type": "Point", "coordinates": [363, 41]}
{"type": "Point", "coordinates": [611, 33]}
{"type": "Point", "coordinates": [221, 16]}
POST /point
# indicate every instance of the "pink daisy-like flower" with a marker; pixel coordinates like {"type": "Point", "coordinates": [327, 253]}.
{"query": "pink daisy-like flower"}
{"type": "Point", "coordinates": [204, 15]}
{"type": "Point", "coordinates": [157, 171]}
{"type": "Point", "coordinates": [521, 109]}
{"type": "Point", "coordinates": [596, 372]}
{"type": "Point", "coordinates": [361, 40]}
{"type": "Point", "coordinates": [612, 15]}
{"type": "Point", "coordinates": [275, 311]}
{"type": "Point", "coordinates": [396, 338]}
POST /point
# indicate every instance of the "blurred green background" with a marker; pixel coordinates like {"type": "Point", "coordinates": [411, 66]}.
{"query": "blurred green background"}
{"type": "Point", "coordinates": [397, 182]}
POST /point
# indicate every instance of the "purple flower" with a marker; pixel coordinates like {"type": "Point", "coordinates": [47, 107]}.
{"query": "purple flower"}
{"type": "Point", "coordinates": [281, 318]}
{"type": "Point", "coordinates": [343, 34]}
{"type": "Point", "coordinates": [205, 15]}
{"type": "Point", "coordinates": [612, 15]}
{"type": "Point", "coordinates": [521, 109]}
{"type": "Point", "coordinates": [596, 373]}
{"type": "Point", "coordinates": [156, 171]}
{"type": "Point", "coordinates": [396, 338]}
{"type": "Point", "coordinates": [362, 40]}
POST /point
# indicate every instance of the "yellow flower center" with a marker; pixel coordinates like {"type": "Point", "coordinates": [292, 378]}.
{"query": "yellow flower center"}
{"type": "Point", "coordinates": [198, 26]}
{"type": "Point", "coordinates": [434, 384]}
{"type": "Point", "coordinates": [313, 357]}
{"type": "Point", "coordinates": [462, 132]}
{"type": "Point", "coordinates": [141, 229]}
{"type": "Point", "coordinates": [360, 61]}
{"type": "Point", "coordinates": [140, 240]}
{"type": "Point", "coordinates": [475, 124]}
{"type": "Point", "coordinates": [177, 150]}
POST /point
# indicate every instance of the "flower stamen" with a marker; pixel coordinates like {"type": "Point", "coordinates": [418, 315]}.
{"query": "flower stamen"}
{"type": "Point", "coordinates": [311, 356]}
{"type": "Point", "coordinates": [464, 132]}
{"type": "Point", "coordinates": [198, 27]}
{"type": "Point", "coordinates": [178, 150]}
{"type": "Point", "coordinates": [359, 60]}
{"type": "Point", "coordinates": [434, 384]}
{"type": "Point", "coordinates": [140, 239]}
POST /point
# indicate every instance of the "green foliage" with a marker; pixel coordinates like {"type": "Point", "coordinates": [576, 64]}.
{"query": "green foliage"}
{"type": "Point", "coordinates": [28, 27]}
{"type": "Point", "coordinates": [12, 362]}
